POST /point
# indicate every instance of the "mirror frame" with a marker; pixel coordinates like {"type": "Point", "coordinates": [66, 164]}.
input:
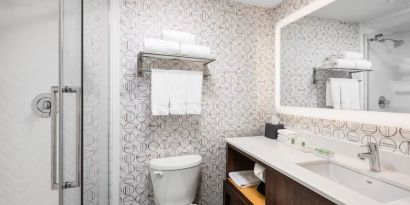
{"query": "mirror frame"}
{"type": "Point", "coordinates": [401, 120]}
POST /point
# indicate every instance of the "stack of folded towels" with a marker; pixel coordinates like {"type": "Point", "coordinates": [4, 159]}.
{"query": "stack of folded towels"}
{"type": "Point", "coordinates": [285, 134]}
{"type": "Point", "coordinates": [176, 43]}
{"type": "Point", "coordinates": [244, 179]}
{"type": "Point", "coordinates": [346, 59]}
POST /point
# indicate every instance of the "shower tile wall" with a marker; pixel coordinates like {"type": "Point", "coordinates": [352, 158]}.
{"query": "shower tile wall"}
{"type": "Point", "coordinates": [237, 98]}
{"type": "Point", "coordinates": [310, 40]}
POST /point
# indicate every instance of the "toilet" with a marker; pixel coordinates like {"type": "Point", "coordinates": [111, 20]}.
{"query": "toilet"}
{"type": "Point", "coordinates": [175, 179]}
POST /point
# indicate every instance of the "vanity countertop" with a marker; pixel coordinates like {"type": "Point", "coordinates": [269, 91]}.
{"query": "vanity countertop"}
{"type": "Point", "coordinates": [284, 159]}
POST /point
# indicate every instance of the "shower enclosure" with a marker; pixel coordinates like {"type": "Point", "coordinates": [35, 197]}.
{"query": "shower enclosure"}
{"type": "Point", "coordinates": [54, 100]}
{"type": "Point", "coordinates": [389, 83]}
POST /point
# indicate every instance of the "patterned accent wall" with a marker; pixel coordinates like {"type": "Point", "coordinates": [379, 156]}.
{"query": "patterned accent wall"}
{"type": "Point", "coordinates": [392, 139]}
{"type": "Point", "coordinates": [305, 44]}
{"type": "Point", "coordinates": [237, 98]}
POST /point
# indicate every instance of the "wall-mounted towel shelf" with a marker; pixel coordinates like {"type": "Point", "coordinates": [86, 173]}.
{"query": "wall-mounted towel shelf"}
{"type": "Point", "coordinates": [349, 70]}
{"type": "Point", "coordinates": [143, 55]}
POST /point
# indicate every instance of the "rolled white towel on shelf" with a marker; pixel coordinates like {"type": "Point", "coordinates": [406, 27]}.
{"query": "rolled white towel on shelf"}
{"type": "Point", "coordinates": [195, 51]}
{"type": "Point", "coordinates": [350, 55]}
{"type": "Point", "coordinates": [159, 46]}
{"type": "Point", "coordinates": [338, 63]}
{"type": "Point", "coordinates": [363, 64]}
{"type": "Point", "coordinates": [178, 36]}
{"type": "Point", "coordinates": [286, 132]}
{"type": "Point", "coordinates": [259, 171]}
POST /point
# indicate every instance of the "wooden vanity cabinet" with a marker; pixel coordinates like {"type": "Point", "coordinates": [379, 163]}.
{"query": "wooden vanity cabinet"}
{"type": "Point", "coordinates": [279, 189]}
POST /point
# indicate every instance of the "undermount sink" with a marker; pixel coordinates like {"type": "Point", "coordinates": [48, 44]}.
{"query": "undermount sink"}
{"type": "Point", "coordinates": [363, 184]}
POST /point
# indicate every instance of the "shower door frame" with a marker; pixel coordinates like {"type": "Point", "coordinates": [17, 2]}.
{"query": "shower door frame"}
{"type": "Point", "coordinates": [61, 89]}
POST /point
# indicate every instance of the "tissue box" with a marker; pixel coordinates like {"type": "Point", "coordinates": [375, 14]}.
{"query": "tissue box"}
{"type": "Point", "coordinates": [271, 131]}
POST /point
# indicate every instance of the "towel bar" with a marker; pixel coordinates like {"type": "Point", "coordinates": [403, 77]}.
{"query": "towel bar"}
{"type": "Point", "coordinates": [349, 70]}
{"type": "Point", "coordinates": [143, 55]}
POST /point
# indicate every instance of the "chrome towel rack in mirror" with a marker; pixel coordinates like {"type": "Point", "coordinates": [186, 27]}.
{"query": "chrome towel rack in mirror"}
{"type": "Point", "coordinates": [143, 55]}
{"type": "Point", "coordinates": [349, 70]}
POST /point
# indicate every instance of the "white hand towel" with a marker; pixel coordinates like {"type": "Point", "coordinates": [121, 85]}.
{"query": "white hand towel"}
{"type": "Point", "coordinates": [194, 92]}
{"type": "Point", "coordinates": [328, 94]}
{"type": "Point", "coordinates": [286, 132]}
{"type": "Point", "coordinates": [363, 64]}
{"type": "Point", "coordinates": [350, 94]}
{"type": "Point", "coordinates": [339, 63]}
{"type": "Point", "coordinates": [159, 92]}
{"type": "Point", "coordinates": [351, 55]}
{"type": "Point", "coordinates": [177, 92]}
{"type": "Point", "coordinates": [179, 36]}
{"type": "Point", "coordinates": [159, 46]}
{"type": "Point", "coordinates": [259, 171]}
{"type": "Point", "coordinates": [335, 90]}
{"type": "Point", "coordinates": [195, 51]}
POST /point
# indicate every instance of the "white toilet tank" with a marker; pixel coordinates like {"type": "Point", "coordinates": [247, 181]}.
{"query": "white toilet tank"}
{"type": "Point", "coordinates": [175, 179]}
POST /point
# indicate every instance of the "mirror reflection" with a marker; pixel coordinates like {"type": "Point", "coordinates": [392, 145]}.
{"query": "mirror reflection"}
{"type": "Point", "coordinates": [349, 55]}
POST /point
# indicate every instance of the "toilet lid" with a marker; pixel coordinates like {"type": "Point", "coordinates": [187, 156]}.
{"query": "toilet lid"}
{"type": "Point", "coordinates": [175, 163]}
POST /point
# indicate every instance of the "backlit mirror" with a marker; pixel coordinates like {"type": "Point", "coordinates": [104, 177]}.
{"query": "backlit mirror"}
{"type": "Point", "coordinates": [348, 55]}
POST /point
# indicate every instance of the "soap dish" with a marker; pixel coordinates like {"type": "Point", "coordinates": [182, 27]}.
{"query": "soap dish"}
{"type": "Point", "coordinates": [323, 153]}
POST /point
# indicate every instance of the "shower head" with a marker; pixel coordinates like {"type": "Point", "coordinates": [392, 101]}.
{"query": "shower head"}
{"type": "Point", "coordinates": [396, 43]}
{"type": "Point", "coordinates": [380, 38]}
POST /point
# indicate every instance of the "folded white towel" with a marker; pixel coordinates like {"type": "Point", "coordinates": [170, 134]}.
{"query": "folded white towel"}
{"type": "Point", "coordinates": [159, 92]}
{"type": "Point", "coordinates": [286, 132]}
{"type": "Point", "coordinates": [351, 55]}
{"type": "Point", "coordinates": [339, 63]}
{"type": "Point", "coordinates": [179, 36]}
{"type": "Point", "coordinates": [195, 51]}
{"type": "Point", "coordinates": [177, 92]}
{"type": "Point", "coordinates": [283, 138]}
{"type": "Point", "coordinates": [194, 92]}
{"type": "Point", "coordinates": [259, 171]}
{"type": "Point", "coordinates": [335, 92]}
{"type": "Point", "coordinates": [161, 47]}
{"type": "Point", "coordinates": [350, 94]}
{"type": "Point", "coordinates": [244, 178]}
{"type": "Point", "coordinates": [363, 64]}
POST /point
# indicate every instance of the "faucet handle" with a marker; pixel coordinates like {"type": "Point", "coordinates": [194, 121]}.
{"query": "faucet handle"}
{"type": "Point", "coordinates": [371, 146]}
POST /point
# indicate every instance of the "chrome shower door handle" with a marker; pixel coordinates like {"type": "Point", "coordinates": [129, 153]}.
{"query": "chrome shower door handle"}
{"type": "Point", "coordinates": [54, 137]}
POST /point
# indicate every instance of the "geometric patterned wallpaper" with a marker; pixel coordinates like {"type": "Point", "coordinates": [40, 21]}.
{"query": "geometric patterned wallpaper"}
{"type": "Point", "coordinates": [305, 44]}
{"type": "Point", "coordinates": [237, 97]}
{"type": "Point", "coordinates": [393, 139]}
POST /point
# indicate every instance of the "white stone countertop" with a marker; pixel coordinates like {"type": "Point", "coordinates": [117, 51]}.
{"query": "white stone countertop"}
{"type": "Point", "coordinates": [285, 160]}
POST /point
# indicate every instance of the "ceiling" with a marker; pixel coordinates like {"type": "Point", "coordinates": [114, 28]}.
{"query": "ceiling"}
{"type": "Point", "coordinates": [383, 15]}
{"type": "Point", "coordinates": [262, 3]}
{"type": "Point", "coordinates": [362, 10]}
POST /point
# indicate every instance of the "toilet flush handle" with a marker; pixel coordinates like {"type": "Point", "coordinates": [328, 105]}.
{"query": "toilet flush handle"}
{"type": "Point", "coordinates": [158, 173]}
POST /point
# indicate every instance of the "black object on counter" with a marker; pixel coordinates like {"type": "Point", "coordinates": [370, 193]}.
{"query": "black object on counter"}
{"type": "Point", "coordinates": [261, 188]}
{"type": "Point", "coordinates": [271, 131]}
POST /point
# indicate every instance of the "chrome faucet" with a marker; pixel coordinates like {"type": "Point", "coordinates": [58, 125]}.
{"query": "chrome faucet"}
{"type": "Point", "coordinates": [372, 155]}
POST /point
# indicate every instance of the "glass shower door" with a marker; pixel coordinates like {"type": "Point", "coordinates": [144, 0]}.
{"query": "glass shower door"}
{"type": "Point", "coordinates": [54, 105]}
